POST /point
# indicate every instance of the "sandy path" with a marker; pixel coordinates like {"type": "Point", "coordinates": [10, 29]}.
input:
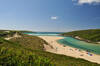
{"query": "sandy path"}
{"type": "Point", "coordinates": [67, 50]}
{"type": "Point", "coordinates": [15, 36]}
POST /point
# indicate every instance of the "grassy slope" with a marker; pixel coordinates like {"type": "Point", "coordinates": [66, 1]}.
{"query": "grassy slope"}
{"type": "Point", "coordinates": [28, 51]}
{"type": "Point", "coordinates": [14, 54]}
{"type": "Point", "coordinates": [93, 34]}
{"type": "Point", "coordinates": [31, 42]}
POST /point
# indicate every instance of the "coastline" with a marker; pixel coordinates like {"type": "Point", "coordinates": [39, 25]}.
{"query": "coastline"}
{"type": "Point", "coordinates": [55, 47]}
{"type": "Point", "coordinates": [85, 40]}
{"type": "Point", "coordinates": [88, 41]}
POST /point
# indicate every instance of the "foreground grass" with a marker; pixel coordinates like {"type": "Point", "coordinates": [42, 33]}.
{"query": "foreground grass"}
{"type": "Point", "coordinates": [13, 54]}
{"type": "Point", "coordinates": [28, 51]}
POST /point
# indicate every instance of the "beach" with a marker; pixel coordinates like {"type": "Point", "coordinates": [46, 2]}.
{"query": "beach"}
{"type": "Point", "coordinates": [55, 47]}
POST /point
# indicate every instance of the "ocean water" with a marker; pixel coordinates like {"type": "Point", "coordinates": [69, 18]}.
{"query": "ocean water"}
{"type": "Point", "coordinates": [94, 48]}
{"type": "Point", "coordinates": [45, 33]}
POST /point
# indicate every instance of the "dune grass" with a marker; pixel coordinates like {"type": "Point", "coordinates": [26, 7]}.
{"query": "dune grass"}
{"type": "Point", "coordinates": [31, 42]}
{"type": "Point", "coordinates": [14, 54]}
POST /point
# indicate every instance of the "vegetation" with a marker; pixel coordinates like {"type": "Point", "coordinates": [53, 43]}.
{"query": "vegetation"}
{"type": "Point", "coordinates": [6, 33]}
{"type": "Point", "coordinates": [9, 33]}
{"type": "Point", "coordinates": [28, 51]}
{"type": "Point", "coordinates": [31, 42]}
{"type": "Point", "coordinates": [13, 54]}
{"type": "Point", "coordinates": [93, 35]}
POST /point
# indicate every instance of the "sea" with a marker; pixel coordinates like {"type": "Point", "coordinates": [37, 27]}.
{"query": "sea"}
{"type": "Point", "coordinates": [45, 33]}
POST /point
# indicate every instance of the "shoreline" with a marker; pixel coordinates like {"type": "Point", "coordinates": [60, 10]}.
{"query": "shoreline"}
{"type": "Point", "coordinates": [55, 47]}
{"type": "Point", "coordinates": [85, 40]}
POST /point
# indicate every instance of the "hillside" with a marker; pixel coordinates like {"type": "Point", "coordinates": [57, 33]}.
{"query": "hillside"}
{"type": "Point", "coordinates": [91, 35]}
{"type": "Point", "coordinates": [5, 33]}
{"type": "Point", "coordinates": [28, 51]}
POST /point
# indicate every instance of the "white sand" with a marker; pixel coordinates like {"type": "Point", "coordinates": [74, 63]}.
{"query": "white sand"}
{"type": "Point", "coordinates": [67, 50]}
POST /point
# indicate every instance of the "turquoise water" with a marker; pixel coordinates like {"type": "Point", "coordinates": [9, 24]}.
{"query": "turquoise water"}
{"type": "Point", "coordinates": [45, 33]}
{"type": "Point", "coordinates": [94, 48]}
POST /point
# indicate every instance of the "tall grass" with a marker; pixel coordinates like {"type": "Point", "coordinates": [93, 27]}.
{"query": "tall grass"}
{"type": "Point", "coordinates": [16, 57]}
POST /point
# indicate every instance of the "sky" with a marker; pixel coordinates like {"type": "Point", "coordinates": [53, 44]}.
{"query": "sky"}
{"type": "Point", "coordinates": [49, 15]}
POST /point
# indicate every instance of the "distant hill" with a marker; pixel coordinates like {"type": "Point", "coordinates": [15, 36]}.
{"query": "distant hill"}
{"type": "Point", "coordinates": [15, 30]}
{"type": "Point", "coordinates": [91, 35]}
{"type": "Point", "coordinates": [5, 33]}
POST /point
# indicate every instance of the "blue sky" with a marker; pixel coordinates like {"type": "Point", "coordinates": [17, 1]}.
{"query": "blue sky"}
{"type": "Point", "coordinates": [49, 15]}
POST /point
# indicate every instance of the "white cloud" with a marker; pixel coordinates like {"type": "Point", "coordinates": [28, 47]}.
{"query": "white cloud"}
{"type": "Point", "coordinates": [87, 1]}
{"type": "Point", "coordinates": [54, 17]}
